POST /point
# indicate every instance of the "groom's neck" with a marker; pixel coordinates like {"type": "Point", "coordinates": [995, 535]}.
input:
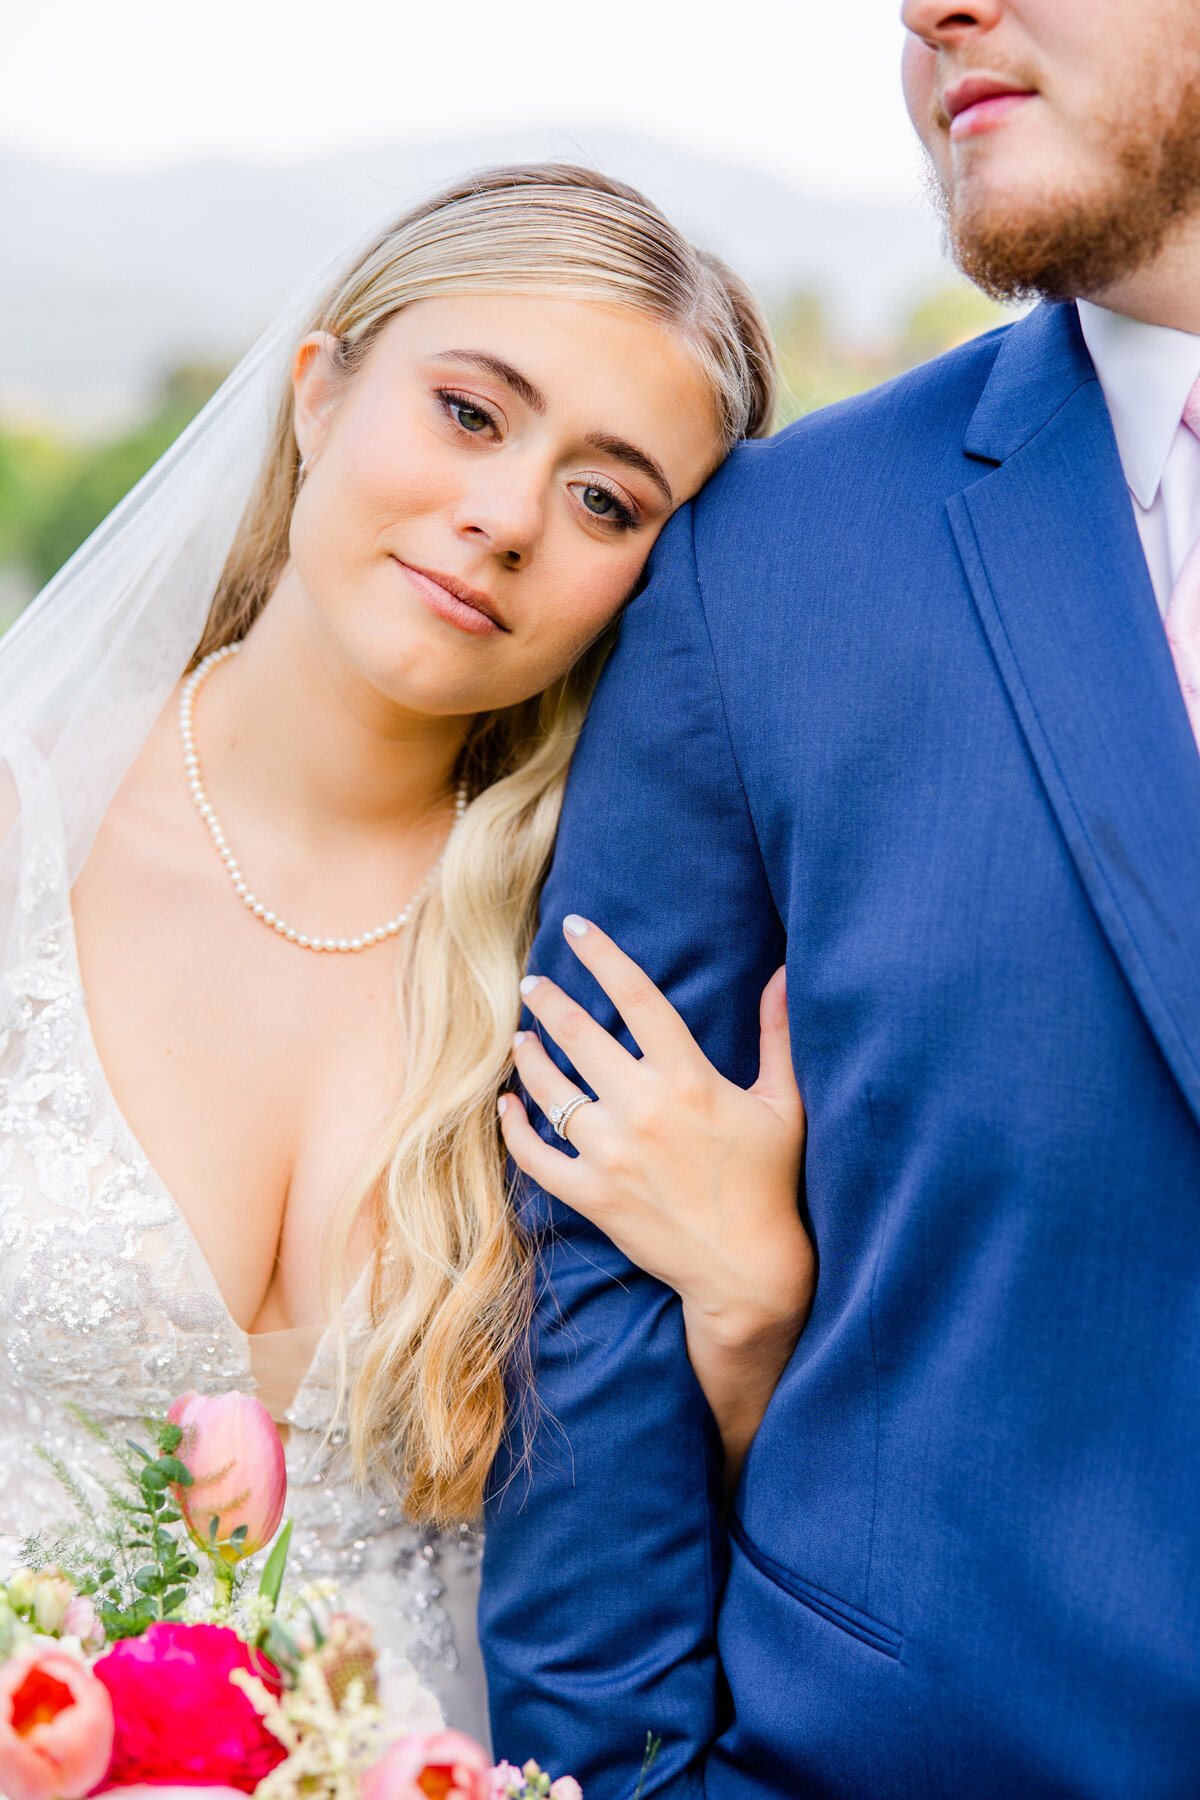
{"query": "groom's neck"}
{"type": "Point", "coordinates": [1166, 290]}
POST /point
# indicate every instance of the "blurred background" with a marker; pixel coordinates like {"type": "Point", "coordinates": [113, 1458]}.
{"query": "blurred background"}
{"type": "Point", "coordinates": [169, 171]}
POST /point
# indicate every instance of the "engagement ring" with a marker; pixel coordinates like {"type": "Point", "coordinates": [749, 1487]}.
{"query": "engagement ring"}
{"type": "Point", "coordinates": [558, 1115]}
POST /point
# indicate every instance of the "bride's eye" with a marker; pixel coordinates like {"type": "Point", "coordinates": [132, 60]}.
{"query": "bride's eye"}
{"type": "Point", "coordinates": [603, 505]}
{"type": "Point", "coordinates": [466, 413]}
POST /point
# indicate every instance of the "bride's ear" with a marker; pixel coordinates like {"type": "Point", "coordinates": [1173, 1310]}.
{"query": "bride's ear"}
{"type": "Point", "coordinates": [316, 387]}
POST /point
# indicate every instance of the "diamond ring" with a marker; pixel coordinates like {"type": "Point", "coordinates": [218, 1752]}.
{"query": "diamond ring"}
{"type": "Point", "coordinates": [559, 1115]}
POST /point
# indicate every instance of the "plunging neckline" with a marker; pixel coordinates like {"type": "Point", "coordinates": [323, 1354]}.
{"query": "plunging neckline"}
{"type": "Point", "coordinates": [266, 1376]}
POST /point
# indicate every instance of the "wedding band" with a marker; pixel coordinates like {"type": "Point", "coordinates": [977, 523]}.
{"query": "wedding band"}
{"type": "Point", "coordinates": [559, 1115]}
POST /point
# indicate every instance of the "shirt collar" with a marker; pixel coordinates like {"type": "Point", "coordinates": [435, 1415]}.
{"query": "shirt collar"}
{"type": "Point", "coordinates": [1146, 372]}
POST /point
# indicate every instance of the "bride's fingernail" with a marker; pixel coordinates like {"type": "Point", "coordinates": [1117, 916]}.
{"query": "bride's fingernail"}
{"type": "Point", "coordinates": [529, 983]}
{"type": "Point", "coordinates": [519, 1039]}
{"type": "Point", "coordinates": [502, 1104]}
{"type": "Point", "coordinates": [574, 926]}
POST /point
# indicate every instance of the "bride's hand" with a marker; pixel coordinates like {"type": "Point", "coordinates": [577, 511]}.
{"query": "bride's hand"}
{"type": "Point", "coordinates": [693, 1178]}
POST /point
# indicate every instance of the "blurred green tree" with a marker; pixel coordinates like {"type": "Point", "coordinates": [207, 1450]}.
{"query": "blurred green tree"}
{"type": "Point", "coordinates": [32, 466]}
{"type": "Point", "coordinates": [816, 368]}
{"type": "Point", "coordinates": [70, 502]}
{"type": "Point", "coordinates": [947, 318]}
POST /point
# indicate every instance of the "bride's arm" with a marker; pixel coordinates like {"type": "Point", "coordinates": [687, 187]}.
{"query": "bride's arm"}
{"type": "Point", "coordinates": [692, 1177]}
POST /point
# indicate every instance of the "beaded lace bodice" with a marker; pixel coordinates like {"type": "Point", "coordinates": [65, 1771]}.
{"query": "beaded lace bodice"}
{"type": "Point", "coordinates": [107, 1304]}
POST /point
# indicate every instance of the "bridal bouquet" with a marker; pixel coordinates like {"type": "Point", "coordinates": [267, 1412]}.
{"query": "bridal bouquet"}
{"type": "Point", "coordinates": [133, 1650]}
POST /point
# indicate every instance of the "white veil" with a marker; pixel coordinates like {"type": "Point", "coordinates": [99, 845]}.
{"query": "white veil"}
{"type": "Point", "coordinates": [88, 666]}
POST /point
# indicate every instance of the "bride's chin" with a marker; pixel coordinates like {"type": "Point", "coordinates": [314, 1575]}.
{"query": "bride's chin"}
{"type": "Point", "coordinates": [427, 688]}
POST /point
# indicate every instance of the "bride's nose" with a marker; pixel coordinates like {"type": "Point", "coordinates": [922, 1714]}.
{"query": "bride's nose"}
{"type": "Point", "coordinates": [506, 514]}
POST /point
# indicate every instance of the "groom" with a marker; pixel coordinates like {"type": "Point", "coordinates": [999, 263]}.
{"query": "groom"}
{"type": "Point", "coordinates": [904, 695]}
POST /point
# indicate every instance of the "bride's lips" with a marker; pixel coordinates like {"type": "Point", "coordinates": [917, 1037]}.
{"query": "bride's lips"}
{"type": "Point", "coordinates": [455, 601]}
{"type": "Point", "coordinates": [978, 103]}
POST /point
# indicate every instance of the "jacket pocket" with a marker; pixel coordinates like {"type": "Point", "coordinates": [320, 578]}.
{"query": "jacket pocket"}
{"type": "Point", "coordinates": [857, 1624]}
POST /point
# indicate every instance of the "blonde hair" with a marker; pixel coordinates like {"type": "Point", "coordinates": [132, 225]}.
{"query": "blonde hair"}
{"type": "Point", "coordinates": [451, 1283]}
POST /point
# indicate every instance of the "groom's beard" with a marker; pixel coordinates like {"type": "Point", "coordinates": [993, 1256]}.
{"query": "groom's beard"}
{"type": "Point", "coordinates": [1066, 244]}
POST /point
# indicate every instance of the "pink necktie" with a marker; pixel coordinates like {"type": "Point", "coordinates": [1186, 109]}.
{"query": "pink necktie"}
{"type": "Point", "coordinates": [1183, 608]}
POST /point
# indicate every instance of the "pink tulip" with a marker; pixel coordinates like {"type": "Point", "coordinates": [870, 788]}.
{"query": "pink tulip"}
{"type": "Point", "coordinates": [56, 1727]}
{"type": "Point", "coordinates": [566, 1788]}
{"type": "Point", "coordinates": [239, 1479]}
{"type": "Point", "coordinates": [441, 1765]}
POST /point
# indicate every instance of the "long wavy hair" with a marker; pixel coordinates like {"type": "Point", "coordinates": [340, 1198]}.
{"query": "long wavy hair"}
{"type": "Point", "coordinates": [451, 1277]}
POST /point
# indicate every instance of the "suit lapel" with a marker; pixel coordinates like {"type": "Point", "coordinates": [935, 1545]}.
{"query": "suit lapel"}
{"type": "Point", "coordinates": [1052, 555]}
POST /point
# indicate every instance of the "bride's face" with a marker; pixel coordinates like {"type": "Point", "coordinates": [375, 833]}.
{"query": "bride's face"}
{"type": "Point", "coordinates": [481, 495]}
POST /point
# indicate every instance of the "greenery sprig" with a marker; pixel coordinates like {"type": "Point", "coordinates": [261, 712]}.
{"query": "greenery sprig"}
{"type": "Point", "coordinates": [132, 1561]}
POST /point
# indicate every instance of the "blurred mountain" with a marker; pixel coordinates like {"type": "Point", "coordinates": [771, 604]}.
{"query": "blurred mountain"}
{"type": "Point", "coordinates": [108, 281]}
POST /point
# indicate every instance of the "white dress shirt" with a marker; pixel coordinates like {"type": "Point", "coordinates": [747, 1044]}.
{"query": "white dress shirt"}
{"type": "Point", "coordinates": [1146, 373]}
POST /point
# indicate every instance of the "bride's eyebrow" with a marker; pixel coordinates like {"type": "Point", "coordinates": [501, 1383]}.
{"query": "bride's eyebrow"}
{"type": "Point", "coordinates": [520, 384]}
{"type": "Point", "coordinates": [634, 458]}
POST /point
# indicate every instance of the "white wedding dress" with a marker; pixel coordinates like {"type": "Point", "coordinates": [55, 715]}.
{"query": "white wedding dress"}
{"type": "Point", "coordinates": [106, 1304]}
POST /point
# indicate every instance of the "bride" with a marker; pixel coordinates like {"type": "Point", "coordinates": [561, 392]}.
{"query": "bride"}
{"type": "Point", "coordinates": [283, 751]}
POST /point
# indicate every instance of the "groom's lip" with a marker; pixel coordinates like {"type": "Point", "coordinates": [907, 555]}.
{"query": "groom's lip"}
{"type": "Point", "coordinates": [976, 103]}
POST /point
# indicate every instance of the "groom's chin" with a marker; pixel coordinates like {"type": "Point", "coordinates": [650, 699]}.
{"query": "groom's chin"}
{"type": "Point", "coordinates": [1051, 247]}
{"type": "Point", "coordinates": [1058, 246]}
{"type": "Point", "coordinates": [1018, 232]}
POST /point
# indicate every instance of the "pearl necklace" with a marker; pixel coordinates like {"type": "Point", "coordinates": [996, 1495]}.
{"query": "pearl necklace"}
{"type": "Point", "coordinates": [191, 762]}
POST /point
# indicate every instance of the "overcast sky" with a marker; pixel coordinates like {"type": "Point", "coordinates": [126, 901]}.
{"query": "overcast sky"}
{"type": "Point", "coordinates": [803, 88]}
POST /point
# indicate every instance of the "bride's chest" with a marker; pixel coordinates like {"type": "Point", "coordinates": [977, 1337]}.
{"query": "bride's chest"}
{"type": "Point", "coordinates": [256, 1077]}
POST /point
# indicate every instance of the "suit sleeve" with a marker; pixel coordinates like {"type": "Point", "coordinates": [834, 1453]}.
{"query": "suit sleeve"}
{"type": "Point", "coordinates": [605, 1556]}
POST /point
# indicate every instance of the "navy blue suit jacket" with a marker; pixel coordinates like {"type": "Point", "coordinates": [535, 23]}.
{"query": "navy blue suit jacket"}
{"type": "Point", "coordinates": [898, 698]}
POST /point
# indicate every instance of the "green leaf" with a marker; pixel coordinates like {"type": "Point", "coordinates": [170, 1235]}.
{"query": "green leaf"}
{"type": "Point", "coordinates": [154, 1477]}
{"type": "Point", "coordinates": [170, 1438]}
{"type": "Point", "coordinates": [169, 1516]}
{"type": "Point", "coordinates": [272, 1575]}
{"type": "Point", "coordinates": [175, 1470]}
{"type": "Point", "coordinates": [137, 1449]}
{"type": "Point", "coordinates": [173, 1601]}
{"type": "Point", "coordinates": [239, 1536]}
{"type": "Point", "coordinates": [280, 1645]}
{"type": "Point", "coordinates": [146, 1579]}
{"type": "Point", "coordinates": [212, 1528]}
{"type": "Point", "coordinates": [128, 1622]}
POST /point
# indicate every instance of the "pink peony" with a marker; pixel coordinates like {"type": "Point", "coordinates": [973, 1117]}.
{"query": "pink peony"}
{"type": "Point", "coordinates": [178, 1716]}
{"type": "Point", "coordinates": [440, 1765]}
{"type": "Point", "coordinates": [56, 1727]}
{"type": "Point", "coordinates": [239, 1479]}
